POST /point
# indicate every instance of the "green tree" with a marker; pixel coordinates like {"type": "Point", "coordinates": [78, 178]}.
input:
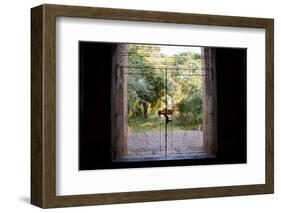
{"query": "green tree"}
{"type": "Point", "coordinates": [145, 84]}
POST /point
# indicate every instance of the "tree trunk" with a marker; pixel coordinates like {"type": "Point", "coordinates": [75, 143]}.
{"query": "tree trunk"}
{"type": "Point", "coordinates": [145, 110]}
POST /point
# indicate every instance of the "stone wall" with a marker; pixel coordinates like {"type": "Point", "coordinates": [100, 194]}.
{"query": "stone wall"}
{"type": "Point", "coordinates": [119, 101]}
{"type": "Point", "coordinates": [209, 101]}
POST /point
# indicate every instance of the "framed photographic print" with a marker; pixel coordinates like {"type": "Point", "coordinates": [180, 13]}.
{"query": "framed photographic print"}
{"type": "Point", "coordinates": [136, 106]}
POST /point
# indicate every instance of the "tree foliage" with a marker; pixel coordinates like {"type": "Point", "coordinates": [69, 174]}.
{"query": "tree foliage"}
{"type": "Point", "coordinates": [149, 86]}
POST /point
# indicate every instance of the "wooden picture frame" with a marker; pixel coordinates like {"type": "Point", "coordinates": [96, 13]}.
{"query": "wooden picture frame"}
{"type": "Point", "coordinates": [43, 105]}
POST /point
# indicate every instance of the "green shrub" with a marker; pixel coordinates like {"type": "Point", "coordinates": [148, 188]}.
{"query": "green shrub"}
{"type": "Point", "coordinates": [190, 109]}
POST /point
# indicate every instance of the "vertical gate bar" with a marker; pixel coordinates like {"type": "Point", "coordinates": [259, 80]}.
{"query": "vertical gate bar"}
{"type": "Point", "coordinates": [171, 135]}
{"type": "Point", "coordinates": [160, 135]}
{"type": "Point", "coordinates": [166, 123]}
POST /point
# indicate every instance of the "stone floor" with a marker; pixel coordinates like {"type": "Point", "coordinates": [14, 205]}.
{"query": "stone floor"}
{"type": "Point", "coordinates": [180, 144]}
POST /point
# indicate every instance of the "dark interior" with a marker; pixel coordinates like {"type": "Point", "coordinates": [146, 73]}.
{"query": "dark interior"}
{"type": "Point", "coordinates": [94, 105]}
{"type": "Point", "coordinates": [231, 104]}
{"type": "Point", "coordinates": [95, 110]}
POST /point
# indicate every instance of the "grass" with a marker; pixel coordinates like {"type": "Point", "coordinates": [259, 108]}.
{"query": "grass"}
{"type": "Point", "coordinates": [152, 123]}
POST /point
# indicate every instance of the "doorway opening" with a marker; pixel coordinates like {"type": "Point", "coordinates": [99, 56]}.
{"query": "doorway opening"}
{"type": "Point", "coordinates": [164, 103]}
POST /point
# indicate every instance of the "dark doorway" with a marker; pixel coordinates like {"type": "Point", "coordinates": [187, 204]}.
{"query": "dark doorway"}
{"type": "Point", "coordinates": [104, 119]}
